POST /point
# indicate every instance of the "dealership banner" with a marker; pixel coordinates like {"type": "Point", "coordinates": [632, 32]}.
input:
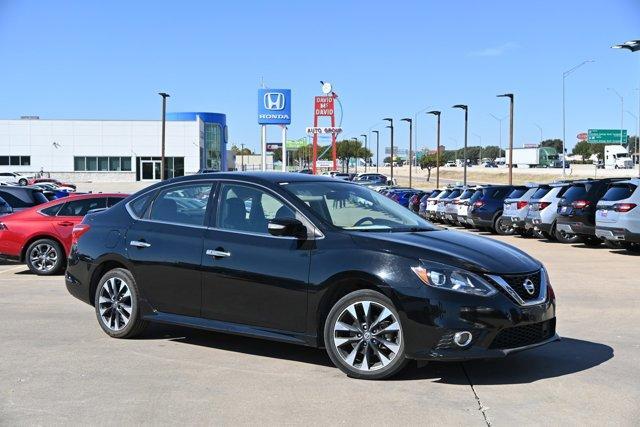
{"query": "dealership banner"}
{"type": "Point", "coordinates": [274, 106]}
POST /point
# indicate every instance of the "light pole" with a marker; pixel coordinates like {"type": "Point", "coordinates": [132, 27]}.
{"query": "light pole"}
{"type": "Point", "coordinates": [564, 127]}
{"type": "Point", "coordinates": [499, 119]}
{"type": "Point", "coordinates": [466, 128]}
{"type": "Point", "coordinates": [366, 143]}
{"type": "Point", "coordinates": [621, 110]}
{"type": "Point", "coordinates": [164, 119]}
{"type": "Point", "coordinates": [242, 157]}
{"type": "Point", "coordinates": [437, 114]}
{"type": "Point", "coordinates": [377, 132]}
{"type": "Point", "coordinates": [633, 46]}
{"type": "Point", "coordinates": [510, 96]}
{"type": "Point", "coordinates": [637, 132]}
{"type": "Point", "coordinates": [390, 120]}
{"type": "Point", "coordinates": [355, 140]}
{"type": "Point", "coordinates": [410, 121]}
{"type": "Point", "coordinates": [480, 144]}
{"type": "Point", "coordinates": [540, 129]}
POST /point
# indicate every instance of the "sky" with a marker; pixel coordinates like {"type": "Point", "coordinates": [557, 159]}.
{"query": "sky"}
{"type": "Point", "coordinates": [109, 59]}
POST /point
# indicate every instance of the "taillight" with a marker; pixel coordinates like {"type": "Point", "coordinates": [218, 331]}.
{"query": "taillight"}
{"type": "Point", "coordinates": [521, 205]}
{"type": "Point", "coordinates": [78, 231]}
{"type": "Point", "coordinates": [618, 207]}
{"type": "Point", "coordinates": [580, 204]}
{"type": "Point", "coordinates": [479, 204]}
{"type": "Point", "coordinates": [542, 205]}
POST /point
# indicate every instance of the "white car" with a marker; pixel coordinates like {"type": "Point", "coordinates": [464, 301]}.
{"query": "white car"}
{"type": "Point", "coordinates": [618, 214]}
{"type": "Point", "coordinates": [516, 207]}
{"type": "Point", "coordinates": [432, 204]}
{"type": "Point", "coordinates": [14, 178]}
{"type": "Point", "coordinates": [543, 212]}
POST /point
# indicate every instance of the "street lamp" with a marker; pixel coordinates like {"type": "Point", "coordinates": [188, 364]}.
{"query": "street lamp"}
{"type": "Point", "coordinates": [377, 132]}
{"type": "Point", "coordinates": [540, 129]}
{"type": "Point", "coordinates": [510, 96]}
{"type": "Point", "coordinates": [621, 110]}
{"type": "Point", "coordinates": [410, 121]}
{"type": "Point", "coordinates": [437, 114]}
{"type": "Point", "coordinates": [242, 157]}
{"type": "Point", "coordinates": [366, 142]}
{"type": "Point", "coordinates": [390, 120]}
{"type": "Point", "coordinates": [164, 118]}
{"type": "Point", "coordinates": [564, 133]}
{"type": "Point", "coordinates": [355, 140]}
{"type": "Point", "coordinates": [466, 127]}
{"type": "Point", "coordinates": [633, 46]}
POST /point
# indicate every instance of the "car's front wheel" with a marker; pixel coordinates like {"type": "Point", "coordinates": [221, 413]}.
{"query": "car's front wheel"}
{"type": "Point", "coordinates": [363, 336]}
{"type": "Point", "coordinates": [45, 257]}
{"type": "Point", "coordinates": [116, 304]}
{"type": "Point", "coordinates": [22, 182]}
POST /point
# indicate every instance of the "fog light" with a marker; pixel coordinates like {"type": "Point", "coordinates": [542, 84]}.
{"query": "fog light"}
{"type": "Point", "coordinates": [463, 338]}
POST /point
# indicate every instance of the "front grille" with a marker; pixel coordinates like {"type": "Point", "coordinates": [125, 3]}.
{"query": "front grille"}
{"type": "Point", "coordinates": [520, 336]}
{"type": "Point", "coordinates": [517, 283]}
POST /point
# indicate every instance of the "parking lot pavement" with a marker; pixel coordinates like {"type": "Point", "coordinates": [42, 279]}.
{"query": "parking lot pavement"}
{"type": "Point", "coordinates": [58, 367]}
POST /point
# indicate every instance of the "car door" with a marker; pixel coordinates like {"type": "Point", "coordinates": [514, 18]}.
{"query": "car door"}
{"type": "Point", "coordinates": [250, 276]}
{"type": "Point", "coordinates": [165, 247]}
{"type": "Point", "coordinates": [71, 214]}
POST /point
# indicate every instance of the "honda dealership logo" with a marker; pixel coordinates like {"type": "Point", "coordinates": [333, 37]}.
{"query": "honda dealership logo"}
{"type": "Point", "coordinates": [274, 106]}
{"type": "Point", "coordinates": [274, 101]}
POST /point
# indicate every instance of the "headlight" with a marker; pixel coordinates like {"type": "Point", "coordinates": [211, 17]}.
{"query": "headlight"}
{"type": "Point", "coordinates": [452, 279]}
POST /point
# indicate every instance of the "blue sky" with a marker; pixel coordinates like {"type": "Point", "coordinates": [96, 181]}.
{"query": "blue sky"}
{"type": "Point", "coordinates": [83, 59]}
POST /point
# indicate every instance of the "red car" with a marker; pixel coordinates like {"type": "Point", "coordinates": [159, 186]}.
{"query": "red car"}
{"type": "Point", "coordinates": [40, 236]}
{"type": "Point", "coordinates": [52, 181]}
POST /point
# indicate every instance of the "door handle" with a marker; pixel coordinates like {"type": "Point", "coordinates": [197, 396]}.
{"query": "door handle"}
{"type": "Point", "coordinates": [139, 244]}
{"type": "Point", "coordinates": [65, 223]}
{"type": "Point", "coordinates": [216, 253]}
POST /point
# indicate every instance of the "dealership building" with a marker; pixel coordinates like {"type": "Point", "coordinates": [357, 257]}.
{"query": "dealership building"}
{"type": "Point", "coordinates": [114, 150]}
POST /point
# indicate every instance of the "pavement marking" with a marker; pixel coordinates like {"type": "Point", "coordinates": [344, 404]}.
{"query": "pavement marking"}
{"type": "Point", "coordinates": [9, 270]}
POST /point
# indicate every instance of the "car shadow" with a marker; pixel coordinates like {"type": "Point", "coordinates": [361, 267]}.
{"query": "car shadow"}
{"type": "Point", "coordinates": [556, 359]}
{"type": "Point", "coordinates": [624, 252]}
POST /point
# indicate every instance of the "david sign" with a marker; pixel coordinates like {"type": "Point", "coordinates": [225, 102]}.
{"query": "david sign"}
{"type": "Point", "coordinates": [274, 106]}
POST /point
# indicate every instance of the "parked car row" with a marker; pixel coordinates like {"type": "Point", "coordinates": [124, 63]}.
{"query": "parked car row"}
{"type": "Point", "coordinates": [589, 211]}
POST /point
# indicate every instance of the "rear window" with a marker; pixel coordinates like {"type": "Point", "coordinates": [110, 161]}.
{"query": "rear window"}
{"type": "Point", "coordinates": [454, 193]}
{"type": "Point", "coordinates": [24, 199]}
{"type": "Point", "coordinates": [445, 194]}
{"type": "Point", "coordinates": [575, 192]}
{"type": "Point", "coordinates": [467, 194]}
{"type": "Point", "coordinates": [540, 192]}
{"type": "Point", "coordinates": [434, 193]}
{"type": "Point", "coordinates": [517, 193]}
{"type": "Point", "coordinates": [619, 192]}
{"type": "Point", "coordinates": [475, 196]}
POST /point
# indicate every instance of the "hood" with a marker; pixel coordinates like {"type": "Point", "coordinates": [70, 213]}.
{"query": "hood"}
{"type": "Point", "coordinates": [454, 248]}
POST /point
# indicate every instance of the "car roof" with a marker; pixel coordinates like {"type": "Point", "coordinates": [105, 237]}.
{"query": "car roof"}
{"type": "Point", "coordinates": [18, 189]}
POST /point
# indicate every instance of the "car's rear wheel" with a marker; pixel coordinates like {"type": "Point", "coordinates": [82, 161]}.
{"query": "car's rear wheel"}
{"type": "Point", "coordinates": [116, 304]}
{"type": "Point", "coordinates": [563, 237]}
{"type": "Point", "coordinates": [45, 257]}
{"type": "Point", "coordinates": [363, 336]}
{"type": "Point", "coordinates": [503, 226]}
{"type": "Point", "coordinates": [22, 182]}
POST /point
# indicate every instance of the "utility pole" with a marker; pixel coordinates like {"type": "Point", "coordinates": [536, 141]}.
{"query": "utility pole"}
{"type": "Point", "coordinates": [466, 128]}
{"type": "Point", "coordinates": [390, 120]}
{"type": "Point", "coordinates": [164, 119]}
{"type": "Point", "coordinates": [510, 96]}
{"type": "Point", "coordinates": [410, 121]}
{"type": "Point", "coordinates": [437, 114]}
{"type": "Point", "coordinates": [377, 132]}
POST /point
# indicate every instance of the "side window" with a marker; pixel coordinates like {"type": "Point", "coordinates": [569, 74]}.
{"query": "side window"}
{"type": "Point", "coordinates": [183, 204]}
{"type": "Point", "coordinates": [52, 210]}
{"type": "Point", "coordinates": [81, 207]}
{"type": "Point", "coordinates": [113, 200]}
{"type": "Point", "coordinates": [138, 205]}
{"type": "Point", "coordinates": [245, 208]}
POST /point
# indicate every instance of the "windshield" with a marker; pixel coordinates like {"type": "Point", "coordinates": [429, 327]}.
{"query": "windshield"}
{"type": "Point", "coordinates": [353, 207]}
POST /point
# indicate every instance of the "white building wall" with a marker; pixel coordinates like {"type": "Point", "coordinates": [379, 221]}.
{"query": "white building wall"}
{"type": "Point", "coordinates": [52, 144]}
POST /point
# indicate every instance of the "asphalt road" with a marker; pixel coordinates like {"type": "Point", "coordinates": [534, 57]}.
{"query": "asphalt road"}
{"type": "Point", "coordinates": [58, 367]}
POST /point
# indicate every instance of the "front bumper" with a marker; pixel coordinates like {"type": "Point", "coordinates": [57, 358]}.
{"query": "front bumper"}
{"type": "Point", "coordinates": [617, 234]}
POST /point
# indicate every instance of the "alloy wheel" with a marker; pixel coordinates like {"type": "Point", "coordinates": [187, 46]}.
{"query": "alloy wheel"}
{"type": "Point", "coordinates": [367, 335]}
{"type": "Point", "coordinates": [115, 304]}
{"type": "Point", "coordinates": [43, 257]}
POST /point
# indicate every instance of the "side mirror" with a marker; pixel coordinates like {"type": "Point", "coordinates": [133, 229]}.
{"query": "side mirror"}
{"type": "Point", "coordinates": [287, 227]}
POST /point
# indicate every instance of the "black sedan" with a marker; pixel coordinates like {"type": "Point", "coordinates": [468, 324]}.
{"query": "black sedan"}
{"type": "Point", "coordinates": [308, 260]}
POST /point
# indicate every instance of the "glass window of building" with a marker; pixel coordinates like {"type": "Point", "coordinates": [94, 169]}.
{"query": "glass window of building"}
{"type": "Point", "coordinates": [212, 144]}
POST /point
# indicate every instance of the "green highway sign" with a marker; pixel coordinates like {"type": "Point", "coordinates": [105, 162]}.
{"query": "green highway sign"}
{"type": "Point", "coordinates": [607, 136]}
{"type": "Point", "coordinates": [297, 143]}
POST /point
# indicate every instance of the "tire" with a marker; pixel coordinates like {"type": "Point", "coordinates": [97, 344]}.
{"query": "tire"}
{"type": "Point", "coordinates": [633, 248]}
{"type": "Point", "coordinates": [117, 293]}
{"type": "Point", "coordinates": [613, 244]}
{"type": "Point", "coordinates": [563, 237]}
{"type": "Point", "coordinates": [591, 241]}
{"type": "Point", "coordinates": [385, 355]}
{"type": "Point", "coordinates": [500, 227]}
{"type": "Point", "coordinates": [526, 233]}
{"type": "Point", "coordinates": [45, 257]}
{"type": "Point", "coordinates": [22, 182]}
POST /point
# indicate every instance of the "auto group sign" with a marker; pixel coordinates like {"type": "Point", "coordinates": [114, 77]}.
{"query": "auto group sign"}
{"type": "Point", "coordinates": [274, 106]}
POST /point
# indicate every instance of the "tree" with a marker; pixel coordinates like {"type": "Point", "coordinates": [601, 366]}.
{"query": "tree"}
{"type": "Point", "coordinates": [582, 148]}
{"type": "Point", "coordinates": [347, 149]}
{"type": "Point", "coordinates": [492, 152]}
{"type": "Point", "coordinates": [555, 143]}
{"type": "Point", "coordinates": [429, 162]}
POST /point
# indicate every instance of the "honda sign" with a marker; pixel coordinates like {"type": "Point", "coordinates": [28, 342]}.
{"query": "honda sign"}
{"type": "Point", "coordinates": [274, 106]}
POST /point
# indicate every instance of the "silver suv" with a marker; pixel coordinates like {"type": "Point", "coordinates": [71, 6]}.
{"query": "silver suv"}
{"type": "Point", "coordinates": [618, 214]}
{"type": "Point", "coordinates": [543, 212]}
{"type": "Point", "coordinates": [516, 207]}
